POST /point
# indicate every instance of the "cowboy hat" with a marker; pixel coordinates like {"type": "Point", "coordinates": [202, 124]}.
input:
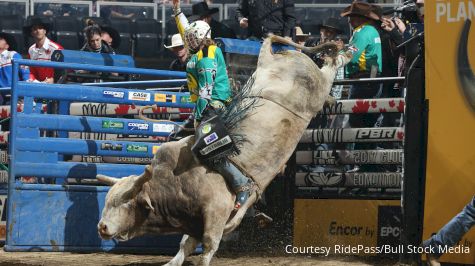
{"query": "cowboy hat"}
{"type": "Point", "coordinates": [201, 9]}
{"type": "Point", "coordinates": [176, 41]}
{"type": "Point", "coordinates": [359, 8]}
{"type": "Point", "coordinates": [114, 35]}
{"type": "Point", "coordinates": [333, 24]}
{"type": "Point", "coordinates": [10, 40]}
{"type": "Point", "coordinates": [299, 32]}
{"type": "Point", "coordinates": [36, 20]}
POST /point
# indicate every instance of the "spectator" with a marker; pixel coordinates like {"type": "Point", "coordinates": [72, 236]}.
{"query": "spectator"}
{"type": "Point", "coordinates": [42, 49]}
{"type": "Point", "coordinates": [110, 36]}
{"type": "Point", "coordinates": [300, 37]}
{"type": "Point", "coordinates": [329, 30]}
{"type": "Point", "coordinates": [94, 42]}
{"type": "Point", "coordinates": [178, 48]}
{"type": "Point", "coordinates": [367, 62]}
{"type": "Point", "coordinates": [7, 53]}
{"type": "Point", "coordinates": [451, 233]}
{"type": "Point", "coordinates": [108, 11]}
{"type": "Point", "coordinates": [266, 16]}
{"type": "Point", "coordinates": [201, 11]}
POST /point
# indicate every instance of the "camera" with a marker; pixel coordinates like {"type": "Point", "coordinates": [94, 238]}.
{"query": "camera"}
{"type": "Point", "coordinates": [406, 12]}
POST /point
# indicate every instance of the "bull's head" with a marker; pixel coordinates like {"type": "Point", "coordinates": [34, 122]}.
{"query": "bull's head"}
{"type": "Point", "coordinates": [126, 207]}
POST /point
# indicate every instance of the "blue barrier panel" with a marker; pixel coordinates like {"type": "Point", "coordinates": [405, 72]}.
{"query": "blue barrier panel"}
{"type": "Point", "coordinates": [80, 57]}
{"type": "Point", "coordinates": [64, 217]}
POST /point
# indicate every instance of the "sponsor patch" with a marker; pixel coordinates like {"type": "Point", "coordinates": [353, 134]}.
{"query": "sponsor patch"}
{"type": "Point", "coordinates": [165, 98]}
{"type": "Point", "coordinates": [214, 146]}
{"type": "Point", "coordinates": [113, 94]}
{"type": "Point", "coordinates": [211, 138]}
{"type": "Point", "coordinates": [112, 124]}
{"type": "Point", "coordinates": [139, 96]}
{"type": "Point", "coordinates": [163, 127]}
{"type": "Point", "coordinates": [111, 147]}
{"type": "Point", "coordinates": [206, 129]}
{"type": "Point", "coordinates": [155, 149]}
{"type": "Point", "coordinates": [137, 126]}
{"type": "Point", "coordinates": [137, 148]}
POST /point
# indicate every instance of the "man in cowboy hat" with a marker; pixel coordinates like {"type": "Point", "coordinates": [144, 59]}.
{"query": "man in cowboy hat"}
{"type": "Point", "coordinates": [42, 49]}
{"type": "Point", "coordinates": [201, 11]}
{"type": "Point", "coordinates": [365, 44]}
{"type": "Point", "coordinates": [178, 48]}
{"type": "Point", "coordinates": [329, 30]}
{"type": "Point", "coordinates": [7, 53]}
{"type": "Point", "coordinates": [301, 37]}
{"type": "Point", "coordinates": [365, 40]}
{"type": "Point", "coordinates": [262, 17]}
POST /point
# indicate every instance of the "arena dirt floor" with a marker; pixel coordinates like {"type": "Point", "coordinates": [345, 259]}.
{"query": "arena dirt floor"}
{"type": "Point", "coordinates": [69, 259]}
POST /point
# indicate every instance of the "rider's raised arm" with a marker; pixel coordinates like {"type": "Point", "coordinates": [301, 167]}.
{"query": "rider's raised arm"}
{"type": "Point", "coordinates": [180, 18]}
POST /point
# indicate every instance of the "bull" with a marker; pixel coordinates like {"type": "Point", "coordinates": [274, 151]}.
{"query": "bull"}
{"type": "Point", "coordinates": [178, 194]}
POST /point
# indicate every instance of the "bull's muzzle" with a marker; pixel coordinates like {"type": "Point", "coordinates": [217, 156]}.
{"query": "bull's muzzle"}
{"type": "Point", "coordinates": [103, 231]}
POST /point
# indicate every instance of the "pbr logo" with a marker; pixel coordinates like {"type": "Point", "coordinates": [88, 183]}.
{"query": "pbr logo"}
{"type": "Point", "coordinates": [113, 94]}
{"type": "Point", "coordinates": [211, 138]}
{"type": "Point", "coordinates": [137, 126]}
{"type": "Point", "coordinates": [376, 133]}
{"type": "Point", "coordinates": [139, 96]}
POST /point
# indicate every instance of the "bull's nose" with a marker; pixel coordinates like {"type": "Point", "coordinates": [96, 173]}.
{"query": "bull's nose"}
{"type": "Point", "coordinates": [102, 228]}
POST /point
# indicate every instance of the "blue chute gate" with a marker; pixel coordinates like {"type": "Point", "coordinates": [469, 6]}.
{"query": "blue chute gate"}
{"type": "Point", "coordinates": [53, 216]}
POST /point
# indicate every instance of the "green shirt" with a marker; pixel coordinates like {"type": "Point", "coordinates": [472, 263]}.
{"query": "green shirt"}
{"type": "Point", "coordinates": [367, 42]}
{"type": "Point", "coordinates": [208, 79]}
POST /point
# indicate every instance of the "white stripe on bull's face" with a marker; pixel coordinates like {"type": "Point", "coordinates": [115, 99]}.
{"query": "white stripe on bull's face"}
{"type": "Point", "coordinates": [123, 211]}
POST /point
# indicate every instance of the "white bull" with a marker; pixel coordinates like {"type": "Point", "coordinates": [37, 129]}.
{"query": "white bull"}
{"type": "Point", "coordinates": [177, 194]}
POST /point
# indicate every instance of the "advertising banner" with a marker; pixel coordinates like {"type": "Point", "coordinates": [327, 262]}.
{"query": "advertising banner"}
{"type": "Point", "coordinates": [450, 88]}
{"type": "Point", "coordinates": [347, 227]}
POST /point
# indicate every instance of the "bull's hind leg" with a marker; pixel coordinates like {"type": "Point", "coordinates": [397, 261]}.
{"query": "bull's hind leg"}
{"type": "Point", "coordinates": [187, 246]}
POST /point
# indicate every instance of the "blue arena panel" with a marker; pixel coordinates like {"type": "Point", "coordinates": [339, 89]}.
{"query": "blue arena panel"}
{"type": "Point", "coordinates": [64, 217]}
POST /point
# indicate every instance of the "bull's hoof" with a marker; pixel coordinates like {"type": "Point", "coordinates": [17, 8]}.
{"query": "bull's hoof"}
{"type": "Point", "coordinates": [263, 220]}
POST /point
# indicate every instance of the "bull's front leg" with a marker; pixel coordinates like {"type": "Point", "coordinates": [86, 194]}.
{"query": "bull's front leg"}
{"type": "Point", "coordinates": [214, 222]}
{"type": "Point", "coordinates": [187, 246]}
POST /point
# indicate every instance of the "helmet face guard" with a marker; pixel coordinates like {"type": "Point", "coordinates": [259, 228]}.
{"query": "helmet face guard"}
{"type": "Point", "coordinates": [196, 33]}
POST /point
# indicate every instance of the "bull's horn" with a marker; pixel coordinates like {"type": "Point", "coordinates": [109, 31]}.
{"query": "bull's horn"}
{"type": "Point", "coordinates": [138, 182]}
{"type": "Point", "coordinates": [107, 179]}
{"type": "Point", "coordinates": [464, 70]}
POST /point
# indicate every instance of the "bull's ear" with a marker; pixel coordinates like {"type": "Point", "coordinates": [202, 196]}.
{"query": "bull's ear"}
{"type": "Point", "coordinates": [107, 179]}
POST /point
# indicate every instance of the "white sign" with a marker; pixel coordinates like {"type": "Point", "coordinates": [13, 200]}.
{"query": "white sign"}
{"type": "Point", "coordinates": [139, 96]}
{"type": "Point", "coordinates": [163, 127]}
{"type": "Point", "coordinates": [137, 126]}
{"type": "Point", "coordinates": [113, 94]}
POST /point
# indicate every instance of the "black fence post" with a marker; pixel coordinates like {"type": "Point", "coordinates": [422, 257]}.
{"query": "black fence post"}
{"type": "Point", "coordinates": [415, 154]}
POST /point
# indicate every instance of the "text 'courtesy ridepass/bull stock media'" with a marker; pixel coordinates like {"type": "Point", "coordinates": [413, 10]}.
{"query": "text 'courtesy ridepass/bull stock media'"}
{"type": "Point", "coordinates": [374, 250]}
